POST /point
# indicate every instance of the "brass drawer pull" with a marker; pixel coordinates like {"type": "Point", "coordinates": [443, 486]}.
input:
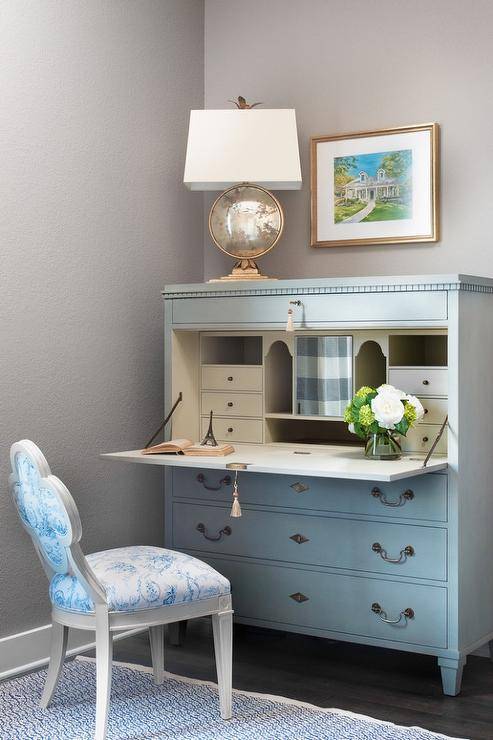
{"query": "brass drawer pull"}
{"type": "Point", "coordinates": [299, 597]}
{"type": "Point", "coordinates": [406, 496]}
{"type": "Point", "coordinates": [230, 404]}
{"type": "Point", "coordinates": [299, 538]}
{"type": "Point", "coordinates": [202, 529]}
{"type": "Point", "coordinates": [405, 613]}
{"type": "Point", "coordinates": [405, 553]}
{"type": "Point", "coordinates": [226, 481]}
{"type": "Point", "coordinates": [299, 487]}
{"type": "Point", "coordinates": [230, 429]}
{"type": "Point", "coordinates": [425, 439]}
{"type": "Point", "coordinates": [230, 378]}
{"type": "Point", "coordinates": [426, 382]}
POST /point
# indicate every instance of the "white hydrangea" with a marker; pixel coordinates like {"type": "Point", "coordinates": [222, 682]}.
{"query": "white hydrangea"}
{"type": "Point", "coordinates": [420, 412]}
{"type": "Point", "coordinates": [388, 389]}
{"type": "Point", "coordinates": [388, 408]}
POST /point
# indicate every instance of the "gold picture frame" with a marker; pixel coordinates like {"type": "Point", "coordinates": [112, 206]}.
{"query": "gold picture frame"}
{"type": "Point", "coordinates": [408, 202]}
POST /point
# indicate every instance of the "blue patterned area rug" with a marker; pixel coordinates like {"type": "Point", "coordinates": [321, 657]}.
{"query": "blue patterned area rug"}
{"type": "Point", "coordinates": [179, 709]}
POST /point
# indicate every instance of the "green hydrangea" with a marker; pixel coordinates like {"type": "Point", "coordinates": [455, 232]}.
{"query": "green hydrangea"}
{"type": "Point", "coordinates": [410, 414]}
{"type": "Point", "coordinates": [366, 415]}
{"type": "Point", "coordinates": [348, 414]}
{"type": "Point", "coordinates": [364, 391]}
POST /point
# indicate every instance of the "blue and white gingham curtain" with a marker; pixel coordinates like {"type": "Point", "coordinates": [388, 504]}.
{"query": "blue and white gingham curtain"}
{"type": "Point", "coordinates": [324, 375]}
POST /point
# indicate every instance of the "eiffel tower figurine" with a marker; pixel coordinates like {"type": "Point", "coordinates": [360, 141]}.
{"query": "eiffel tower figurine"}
{"type": "Point", "coordinates": [209, 439]}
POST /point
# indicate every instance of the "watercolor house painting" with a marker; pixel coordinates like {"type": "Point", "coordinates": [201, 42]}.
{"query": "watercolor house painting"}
{"type": "Point", "coordinates": [368, 188]}
{"type": "Point", "coordinates": [373, 187]}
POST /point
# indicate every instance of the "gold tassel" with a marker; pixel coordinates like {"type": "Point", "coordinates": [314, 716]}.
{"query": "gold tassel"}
{"type": "Point", "coordinates": [236, 508]}
{"type": "Point", "coordinates": [289, 324]}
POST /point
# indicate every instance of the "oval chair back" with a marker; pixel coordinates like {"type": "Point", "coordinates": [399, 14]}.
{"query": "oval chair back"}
{"type": "Point", "coordinates": [50, 516]}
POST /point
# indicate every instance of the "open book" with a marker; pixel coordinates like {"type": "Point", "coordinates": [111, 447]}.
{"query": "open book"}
{"type": "Point", "coordinates": [185, 447]}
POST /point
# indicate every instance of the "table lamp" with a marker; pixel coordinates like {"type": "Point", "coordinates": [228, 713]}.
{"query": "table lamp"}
{"type": "Point", "coordinates": [244, 152]}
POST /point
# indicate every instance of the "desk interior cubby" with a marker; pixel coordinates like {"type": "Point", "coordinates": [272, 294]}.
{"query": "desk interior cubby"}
{"type": "Point", "coordinates": [279, 379]}
{"type": "Point", "coordinates": [370, 365]}
{"type": "Point", "coordinates": [231, 350]}
{"type": "Point", "coordinates": [418, 350]}
{"type": "Point", "coordinates": [315, 431]}
{"type": "Point", "coordinates": [249, 379]}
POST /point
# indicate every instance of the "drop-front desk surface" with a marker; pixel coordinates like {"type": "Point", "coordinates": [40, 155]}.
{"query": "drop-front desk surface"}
{"type": "Point", "coordinates": [327, 461]}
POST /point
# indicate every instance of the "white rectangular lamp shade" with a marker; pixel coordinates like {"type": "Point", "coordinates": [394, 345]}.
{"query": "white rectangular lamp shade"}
{"type": "Point", "coordinates": [226, 147]}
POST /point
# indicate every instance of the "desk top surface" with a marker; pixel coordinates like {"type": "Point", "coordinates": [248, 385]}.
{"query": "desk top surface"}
{"type": "Point", "coordinates": [377, 283]}
{"type": "Point", "coordinates": [323, 462]}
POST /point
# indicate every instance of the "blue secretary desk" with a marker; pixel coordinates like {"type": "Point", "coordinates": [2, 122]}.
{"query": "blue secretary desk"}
{"type": "Point", "coordinates": [392, 554]}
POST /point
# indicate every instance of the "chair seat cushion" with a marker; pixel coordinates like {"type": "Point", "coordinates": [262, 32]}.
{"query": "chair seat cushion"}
{"type": "Point", "coordinates": [140, 577]}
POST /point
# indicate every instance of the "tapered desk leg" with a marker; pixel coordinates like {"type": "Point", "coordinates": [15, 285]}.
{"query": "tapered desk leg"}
{"type": "Point", "coordinates": [490, 645]}
{"type": "Point", "coordinates": [451, 669]}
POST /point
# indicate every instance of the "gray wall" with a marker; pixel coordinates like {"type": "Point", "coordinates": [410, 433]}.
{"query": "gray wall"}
{"type": "Point", "coordinates": [93, 221]}
{"type": "Point", "coordinates": [362, 65]}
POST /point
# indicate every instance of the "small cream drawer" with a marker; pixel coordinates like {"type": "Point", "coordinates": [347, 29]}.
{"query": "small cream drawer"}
{"type": "Point", "coordinates": [231, 378]}
{"type": "Point", "coordinates": [436, 410]}
{"type": "Point", "coordinates": [235, 430]}
{"type": "Point", "coordinates": [421, 438]}
{"type": "Point", "coordinates": [232, 404]}
{"type": "Point", "coordinates": [407, 550]}
{"type": "Point", "coordinates": [420, 381]}
{"type": "Point", "coordinates": [337, 603]}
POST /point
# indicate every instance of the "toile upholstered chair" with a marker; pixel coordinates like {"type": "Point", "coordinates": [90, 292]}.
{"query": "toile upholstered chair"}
{"type": "Point", "coordinates": [124, 588]}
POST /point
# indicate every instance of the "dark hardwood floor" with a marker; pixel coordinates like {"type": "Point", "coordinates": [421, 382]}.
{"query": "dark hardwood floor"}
{"type": "Point", "coordinates": [394, 686]}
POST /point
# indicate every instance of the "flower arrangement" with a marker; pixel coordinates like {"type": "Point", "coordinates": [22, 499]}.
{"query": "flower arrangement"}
{"type": "Point", "coordinates": [379, 414]}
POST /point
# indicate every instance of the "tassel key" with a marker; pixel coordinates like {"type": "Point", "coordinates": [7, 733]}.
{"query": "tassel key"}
{"type": "Point", "coordinates": [236, 508]}
{"type": "Point", "coordinates": [289, 323]}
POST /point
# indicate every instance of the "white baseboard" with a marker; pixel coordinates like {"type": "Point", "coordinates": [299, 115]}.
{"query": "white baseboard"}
{"type": "Point", "coordinates": [27, 651]}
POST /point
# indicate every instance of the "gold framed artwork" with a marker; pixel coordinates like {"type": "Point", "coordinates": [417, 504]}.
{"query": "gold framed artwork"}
{"type": "Point", "coordinates": [375, 187]}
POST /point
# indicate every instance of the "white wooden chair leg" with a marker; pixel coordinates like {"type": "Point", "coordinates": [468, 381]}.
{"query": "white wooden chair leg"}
{"type": "Point", "coordinates": [59, 636]}
{"type": "Point", "coordinates": [222, 626]}
{"type": "Point", "coordinates": [104, 658]}
{"type": "Point", "coordinates": [156, 638]}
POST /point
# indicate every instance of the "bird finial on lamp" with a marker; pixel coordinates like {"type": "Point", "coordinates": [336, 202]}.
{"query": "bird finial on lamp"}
{"type": "Point", "coordinates": [242, 104]}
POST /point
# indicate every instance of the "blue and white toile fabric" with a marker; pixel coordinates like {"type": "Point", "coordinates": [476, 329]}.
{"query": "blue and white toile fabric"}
{"type": "Point", "coordinates": [324, 375]}
{"type": "Point", "coordinates": [141, 577]}
{"type": "Point", "coordinates": [42, 512]}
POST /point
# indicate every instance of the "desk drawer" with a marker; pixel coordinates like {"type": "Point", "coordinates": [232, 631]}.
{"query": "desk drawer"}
{"type": "Point", "coordinates": [231, 378]}
{"type": "Point", "coordinates": [421, 438]}
{"type": "Point", "coordinates": [435, 410]}
{"type": "Point", "coordinates": [235, 430]}
{"type": "Point", "coordinates": [422, 497]}
{"type": "Point", "coordinates": [337, 603]}
{"type": "Point", "coordinates": [232, 404]}
{"type": "Point", "coordinates": [420, 381]}
{"type": "Point", "coordinates": [313, 540]}
{"type": "Point", "coordinates": [315, 311]}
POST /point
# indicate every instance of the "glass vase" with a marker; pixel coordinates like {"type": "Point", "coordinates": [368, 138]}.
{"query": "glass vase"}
{"type": "Point", "coordinates": [382, 446]}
